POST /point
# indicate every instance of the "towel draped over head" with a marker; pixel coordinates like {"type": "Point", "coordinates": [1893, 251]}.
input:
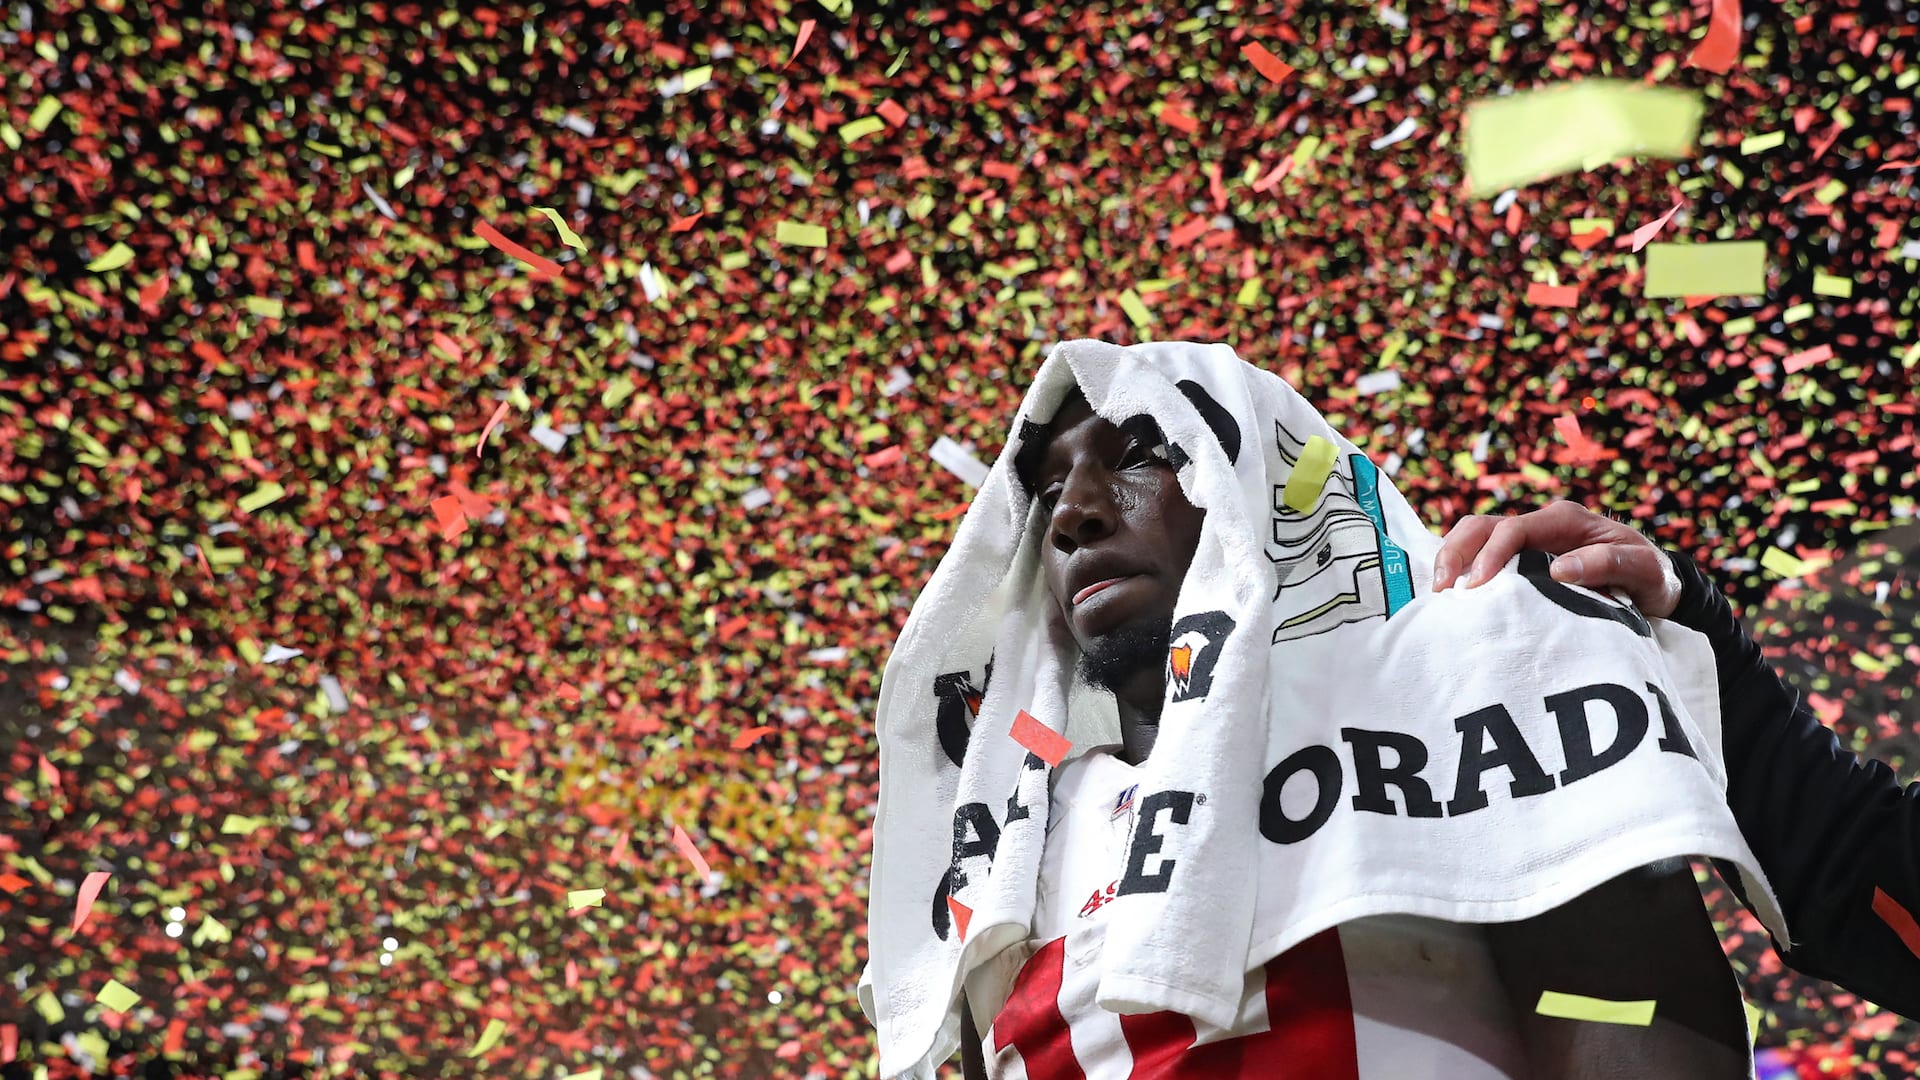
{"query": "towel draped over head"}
{"type": "Point", "coordinates": [1335, 741]}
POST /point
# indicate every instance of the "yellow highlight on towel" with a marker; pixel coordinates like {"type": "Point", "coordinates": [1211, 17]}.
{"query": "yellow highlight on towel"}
{"type": "Point", "coordinates": [1525, 137]}
{"type": "Point", "coordinates": [1734, 268]}
{"type": "Point", "coordinates": [1597, 1010]}
{"type": "Point", "coordinates": [798, 235]}
{"type": "Point", "coordinates": [1309, 475]}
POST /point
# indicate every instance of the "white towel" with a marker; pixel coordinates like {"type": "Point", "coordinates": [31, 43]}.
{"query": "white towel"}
{"type": "Point", "coordinates": [1566, 739]}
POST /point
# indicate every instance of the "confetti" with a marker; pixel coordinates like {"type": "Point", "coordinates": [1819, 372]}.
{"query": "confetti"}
{"type": "Point", "coordinates": [451, 518]}
{"type": "Point", "coordinates": [1595, 1010]}
{"type": "Point", "coordinates": [1309, 475]}
{"type": "Point", "coordinates": [957, 460]}
{"type": "Point", "coordinates": [1043, 742]}
{"type": "Point", "coordinates": [962, 915]}
{"type": "Point", "coordinates": [692, 854]}
{"type": "Point", "coordinates": [89, 890]}
{"type": "Point", "coordinates": [799, 41]}
{"type": "Point", "coordinates": [240, 823]}
{"type": "Point", "coordinates": [853, 132]}
{"type": "Point", "coordinates": [539, 263]}
{"type": "Point", "coordinates": [567, 235]}
{"type": "Point", "coordinates": [489, 1038]}
{"type": "Point", "coordinates": [582, 898]}
{"type": "Point", "coordinates": [1541, 294]}
{"type": "Point", "coordinates": [798, 235]}
{"type": "Point", "coordinates": [262, 497]}
{"type": "Point", "coordinates": [117, 997]}
{"type": "Point", "coordinates": [1899, 918]}
{"type": "Point", "coordinates": [1720, 49]}
{"type": "Point", "coordinates": [1265, 62]}
{"type": "Point", "coordinates": [1756, 144]}
{"type": "Point", "coordinates": [1651, 229]}
{"type": "Point", "coordinates": [1829, 285]}
{"type": "Point", "coordinates": [1537, 134]}
{"type": "Point", "coordinates": [116, 257]}
{"type": "Point", "coordinates": [499, 414]}
{"type": "Point", "coordinates": [1805, 359]}
{"type": "Point", "coordinates": [1735, 268]}
{"type": "Point", "coordinates": [750, 736]}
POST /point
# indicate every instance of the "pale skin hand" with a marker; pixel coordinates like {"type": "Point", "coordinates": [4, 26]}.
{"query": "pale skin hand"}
{"type": "Point", "coordinates": [1612, 555]}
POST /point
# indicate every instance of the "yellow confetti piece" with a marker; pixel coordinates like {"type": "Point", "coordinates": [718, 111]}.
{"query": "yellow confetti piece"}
{"type": "Point", "coordinates": [1736, 268]}
{"type": "Point", "coordinates": [240, 823]}
{"type": "Point", "coordinates": [579, 898]}
{"type": "Point", "coordinates": [1830, 191]}
{"type": "Point", "coordinates": [211, 930]}
{"type": "Point", "coordinates": [1754, 144]}
{"type": "Point", "coordinates": [1597, 1010]}
{"type": "Point", "coordinates": [695, 78]}
{"type": "Point", "coordinates": [1305, 150]}
{"type": "Point", "coordinates": [116, 257]}
{"type": "Point", "coordinates": [1309, 475]}
{"type": "Point", "coordinates": [855, 130]}
{"type": "Point", "coordinates": [1583, 226]}
{"type": "Point", "coordinates": [567, 236]}
{"type": "Point", "coordinates": [488, 1038]}
{"type": "Point", "coordinates": [798, 235]}
{"type": "Point", "coordinates": [617, 391]}
{"type": "Point", "coordinates": [1788, 565]}
{"type": "Point", "coordinates": [117, 997]}
{"type": "Point", "coordinates": [44, 113]}
{"type": "Point", "coordinates": [49, 1008]}
{"type": "Point", "coordinates": [266, 307]}
{"type": "Point", "coordinates": [264, 495]}
{"type": "Point", "coordinates": [1829, 285]}
{"type": "Point", "coordinates": [735, 260]}
{"type": "Point", "coordinates": [1525, 137]}
{"type": "Point", "coordinates": [1137, 312]}
{"type": "Point", "coordinates": [1754, 1015]}
{"type": "Point", "coordinates": [1796, 313]}
{"type": "Point", "coordinates": [585, 1074]}
{"type": "Point", "coordinates": [1249, 292]}
{"type": "Point", "coordinates": [242, 446]}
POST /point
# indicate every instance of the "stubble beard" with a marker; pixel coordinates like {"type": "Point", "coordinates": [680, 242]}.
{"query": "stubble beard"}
{"type": "Point", "coordinates": [1114, 658]}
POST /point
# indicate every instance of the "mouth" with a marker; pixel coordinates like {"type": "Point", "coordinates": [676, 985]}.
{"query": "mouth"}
{"type": "Point", "coordinates": [1087, 593]}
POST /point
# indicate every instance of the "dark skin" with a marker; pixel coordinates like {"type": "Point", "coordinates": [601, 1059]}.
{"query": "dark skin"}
{"type": "Point", "coordinates": [1643, 936]}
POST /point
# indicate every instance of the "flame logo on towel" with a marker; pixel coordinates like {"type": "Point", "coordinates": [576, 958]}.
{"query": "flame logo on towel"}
{"type": "Point", "coordinates": [1195, 649]}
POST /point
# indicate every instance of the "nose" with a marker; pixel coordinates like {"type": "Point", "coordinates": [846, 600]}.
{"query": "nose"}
{"type": "Point", "coordinates": [1084, 512]}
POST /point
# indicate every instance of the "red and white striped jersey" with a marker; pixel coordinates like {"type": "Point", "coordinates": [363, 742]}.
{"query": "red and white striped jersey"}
{"type": "Point", "coordinates": [1387, 998]}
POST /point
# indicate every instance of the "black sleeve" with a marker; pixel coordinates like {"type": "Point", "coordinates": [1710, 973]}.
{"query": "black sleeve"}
{"type": "Point", "coordinates": [1830, 830]}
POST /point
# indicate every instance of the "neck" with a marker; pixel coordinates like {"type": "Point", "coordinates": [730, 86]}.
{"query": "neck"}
{"type": "Point", "coordinates": [1139, 729]}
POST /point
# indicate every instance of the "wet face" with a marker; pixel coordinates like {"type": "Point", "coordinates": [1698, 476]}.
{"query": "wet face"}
{"type": "Point", "coordinates": [1120, 535]}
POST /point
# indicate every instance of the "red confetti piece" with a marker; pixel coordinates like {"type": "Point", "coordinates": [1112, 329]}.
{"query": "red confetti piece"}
{"type": "Point", "coordinates": [685, 224]}
{"type": "Point", "coordinates": [1178, 120]}
{"type": "Point", "coordinates": [750, 736]}
{"type": "Point", "coordinates": [1265, 62]}
{"type": "Point", "coordinates": [493, 421]}
{"type": "Point", "coordinates": [573, 975]}
{"type": "Point", "coordinates": [799, 41]}
{"type": "Point", "coordinates": [89, 889]}
{"type": "Point", "coordinates": [1718, 51]}
{"type": "Point", "coordinates": [453, 521]}
{"type": "Point", "coordinates": [619, 848]}
{"type": "Point", "coordinates": [962, 915]}
{"type": "Point", "coordinates": [1045, 743]}
{"type": "Point", "coordinates": [882, 458]}
{"type": "Point", "coordinates": [892, 113]}
{"type": "Point", "coordinates": [48, 773]}
{"type": "Point", "coordinates": [9, 1043]}
{"type": "Point", "coordinates": [1807, 359]}
{"type": "Point", "coordinates": [12, 882]}
{"type": "Point", "coordinates": [493, 236]}
{"type": "Point", "coordinates": [1647, 232]}
{"type": "Point", "coordinates": [1541, 294]}
{"type": "Point", "coordinates": [900, 261]}
{"type": "Point", "coordinates": [1897, 917]}
{"type": "Point", "coordinates": [685, 843]}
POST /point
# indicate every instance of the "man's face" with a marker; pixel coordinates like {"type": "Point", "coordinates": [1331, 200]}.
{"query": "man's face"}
{"type": "Point", "coordinates": [1120, 535]}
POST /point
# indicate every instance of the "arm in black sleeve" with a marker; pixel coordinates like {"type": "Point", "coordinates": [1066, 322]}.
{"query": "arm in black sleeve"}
{"type": "Point", "coordinates": [1835, 834]}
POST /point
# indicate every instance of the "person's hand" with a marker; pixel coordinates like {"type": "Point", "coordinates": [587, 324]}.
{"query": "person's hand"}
{"type": "Point", "coordinates": [1595, 551]}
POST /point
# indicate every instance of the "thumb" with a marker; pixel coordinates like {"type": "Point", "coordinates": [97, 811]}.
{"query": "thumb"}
{"type": "Point", "coordinates": [1593, 566]}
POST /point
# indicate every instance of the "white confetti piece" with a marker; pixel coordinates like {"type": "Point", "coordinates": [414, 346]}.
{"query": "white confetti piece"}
{"type": "Point", "coordinates": [386, 207]}
{"type": "Point", "coordinates": [336, 697]}
{"type": "Point", "coordinates": [831, 655]}
{"type": "Point", "coordinates": [958, 461]}
{"type": "Point", "coordinates": [1480, 446]}
{"type": "Point", "coordinates": [549, 438]}
{"type": "Point", "coordinates": [1393, 18]}
{"type": "Point", "coordinates": [755, 499]}
{"type": "Point", "coordinates": [277, 653]}
{"type": "Point", "coordinates": [1404, 131]}
{"type": "Point", "coordinates": [1491, 322]}
{"type": "Point", "coordinates": [650, 283]}
{"type": "Point", "coordinates": [1910, 249]}
{"type": "Point", "coordinates": [1505, 200]}
{"type": "Point", "coordinates": [1377, 382]}
{"type": "Point", "coordinates": [577, 124]}
{"type": "Point", "coordinates": [900, 380]}
{"type": "Point", "coordinates": [1363, 95]}
{"type": "Point", "coordinates": [126, 680]}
